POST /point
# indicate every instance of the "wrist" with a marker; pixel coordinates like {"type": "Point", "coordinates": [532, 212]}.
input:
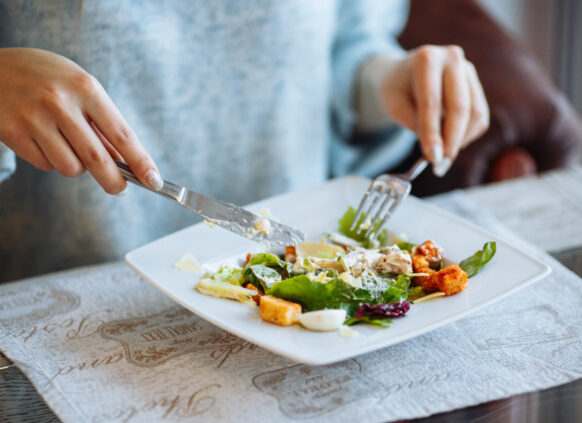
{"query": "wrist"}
{"type": "Point", "coordinates": [372, 111]}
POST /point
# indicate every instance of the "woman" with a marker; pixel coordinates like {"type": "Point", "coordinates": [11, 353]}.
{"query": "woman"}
{"type": "Point", "coordinates": [237, 99]}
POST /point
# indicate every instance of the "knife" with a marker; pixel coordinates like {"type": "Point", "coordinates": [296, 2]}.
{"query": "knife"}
{"type": "Point", "coordinates": [229, 216]}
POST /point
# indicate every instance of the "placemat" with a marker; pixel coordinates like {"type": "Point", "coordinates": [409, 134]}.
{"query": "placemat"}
{"type": "Point", "coordinates": [100, 344]}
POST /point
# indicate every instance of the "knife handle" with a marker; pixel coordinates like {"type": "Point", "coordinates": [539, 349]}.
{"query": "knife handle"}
{"type": "Point", "coordinates": [169, 189]}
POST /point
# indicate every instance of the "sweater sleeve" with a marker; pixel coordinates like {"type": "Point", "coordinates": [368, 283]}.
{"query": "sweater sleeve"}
{"type": "Point", "coordinates": [365, 29]}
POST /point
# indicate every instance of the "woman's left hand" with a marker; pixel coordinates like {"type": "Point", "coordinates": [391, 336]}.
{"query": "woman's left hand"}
{"type": "Point", "coordinates": [435, 92]}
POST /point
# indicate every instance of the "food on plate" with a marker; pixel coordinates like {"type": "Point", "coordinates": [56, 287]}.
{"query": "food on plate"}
{"type": "Point", "coordinates": [450, 279]}
{"type": "Point", "coordinates": [322, 320]}
{"type": "Point", "coordinates": [278, 311]}
{"type": "Point", "coordinates": [343, 279]}
{"type": "Point", "coordinates": [189, 262]}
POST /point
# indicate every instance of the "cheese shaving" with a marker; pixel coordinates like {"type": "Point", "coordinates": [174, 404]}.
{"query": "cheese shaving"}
{"type": "Point", "coordinates": [189, 262]}
{"type": "Point", "coordinates": [430, 297]}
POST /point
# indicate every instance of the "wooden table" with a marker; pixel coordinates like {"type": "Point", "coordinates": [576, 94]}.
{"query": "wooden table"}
{"type": "Point", "coordinates": [546, 211]}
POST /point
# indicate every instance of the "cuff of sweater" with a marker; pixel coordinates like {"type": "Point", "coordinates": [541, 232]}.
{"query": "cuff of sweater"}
{"type": "Point", "coordinates": [369, 104]}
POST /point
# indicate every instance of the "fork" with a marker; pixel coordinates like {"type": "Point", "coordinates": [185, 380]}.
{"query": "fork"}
{"type": "Point", "coordinates": [384, 194]}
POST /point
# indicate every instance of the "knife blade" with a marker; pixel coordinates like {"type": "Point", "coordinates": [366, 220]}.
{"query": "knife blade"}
{"type": "Point", "coordinates": [226, 215]}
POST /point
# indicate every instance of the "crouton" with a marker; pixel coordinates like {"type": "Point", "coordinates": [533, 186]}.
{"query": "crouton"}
{"type": "Point", "coordinates": [420, 265]}
{"type": "Point", "coordinates": [432, 252]}
{"type": "Point", "coordinates": [451, 280]}
{"type": "Point", "coordinates": [290, 254]}
{"type": "Point", "coordinates": [278, 311]}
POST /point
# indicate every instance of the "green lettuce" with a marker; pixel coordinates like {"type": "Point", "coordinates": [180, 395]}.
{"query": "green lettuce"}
{"type": "Point", "coordinates": [220, 289]}
{"type": "Point", "coordinates": [472, 265]}
{"type": "Point", "coordinates": [266, 259]}
{"type": "Point", "coordinates": [379, 321]}
{"type": "Point", "coordinates": [406, 246]}
{"type": "Point", "coordinates": [318, 296]}
{"type": "Point", "coordinates": [265, 269]}
{"type": "Point", "coordinates": [339, 294]}
{"type": "Point", "coordinates": [261, 276]}
{"type": "Point", "coordinates": [398, 290]}
{"type": "Point", "coordinates": [358, 235]}
{"type": "Point", "coordinates": [227, 274]}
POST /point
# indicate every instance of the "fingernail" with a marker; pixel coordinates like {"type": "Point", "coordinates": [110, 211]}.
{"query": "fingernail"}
{"type": "Point", "coordinates": [442, 167]}
{"type": "Point", "coordinates": [436, 153]}
{"type": "Point", "coordinates": [122, 193]}
{"type": "Point", "coordinates": [154, 180]}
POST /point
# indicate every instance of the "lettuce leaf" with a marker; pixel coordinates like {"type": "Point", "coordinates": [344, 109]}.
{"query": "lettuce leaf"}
{"type": "Point", "coordinates": [220, 289]}
{"type": "Point", "coordinates": [227, 274]}
{"type": "Point", "coordinates": [261, 276]}
{"type": "Point", "coordinates": [318, 296]}
{"type": "Point", "coordinates": [472, 265]}
{"type": "Point", "coordinates": [266, 259]}
{"type": "Point", "coordinates": [379, 321]}
{"type": "Point", "coordinates": [337, 293]}
{"type": "Point", "coordinates": [398, 290]}
{"type": "Point", "coordinates": [346, 221]}
{"type": "Point", "coordinates": [265, 269]}
{"type": "Point", "coordinates": [406, 246]}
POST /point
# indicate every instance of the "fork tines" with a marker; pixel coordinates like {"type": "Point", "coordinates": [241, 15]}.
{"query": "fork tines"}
{"type": "Point", "coordinates": [383, 195]}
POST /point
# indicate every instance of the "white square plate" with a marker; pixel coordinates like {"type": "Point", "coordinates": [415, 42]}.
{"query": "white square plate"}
{"type": "Point", "coordinates": [315, 211]}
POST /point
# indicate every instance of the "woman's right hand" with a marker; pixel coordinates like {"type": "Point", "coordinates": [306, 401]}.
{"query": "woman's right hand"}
{"type": "Point", "coordinates": [55, 115]}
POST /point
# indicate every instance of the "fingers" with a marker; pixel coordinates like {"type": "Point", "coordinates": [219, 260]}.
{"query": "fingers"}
{"type": "Point", "coordinates": [479, 120]}
{"type": "Point", "coordinates": [47, 105]}
{"type": "Point", "coordinates": [451, 109]}
{"type": "Point", "coordinates": [91, 152]}
{"type": "Point", "coordinates": [57, 149]}
{"type": "Point", "coordinates": [31, 152]}
{"type": "Point", "coordinates": [428, 94]}
{"type": "Point", "coordinates": [456, 102]}
{"type": "Point", "coordinates": [112, 151]}
{"type": "Point", "coordinates": [121, 138]}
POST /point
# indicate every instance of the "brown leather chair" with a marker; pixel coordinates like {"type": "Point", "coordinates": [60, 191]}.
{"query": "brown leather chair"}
{"type": "Point", "coordinates": [533, 127]}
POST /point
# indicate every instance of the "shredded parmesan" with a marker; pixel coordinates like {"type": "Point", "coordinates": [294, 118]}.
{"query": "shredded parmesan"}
{"type": "Point", "coordinates": [347, 331]}
{"type": "Point", "coordinates": [189, 262]}
{"type": "Point", "coordinates": [430, 297]}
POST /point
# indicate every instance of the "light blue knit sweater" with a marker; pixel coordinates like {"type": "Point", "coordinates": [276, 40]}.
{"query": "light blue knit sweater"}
{"type": "Point", "coordinates": [238, 99]}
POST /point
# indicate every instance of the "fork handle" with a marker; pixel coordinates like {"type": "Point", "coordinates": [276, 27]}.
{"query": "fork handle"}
{"type": "Point", "coordinates": [169, 189]}
{"type": "Point", "coordinates": [416, 169]}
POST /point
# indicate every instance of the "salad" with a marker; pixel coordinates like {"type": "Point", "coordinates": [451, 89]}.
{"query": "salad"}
{"type": "Point", "coordinates": [344, 278]}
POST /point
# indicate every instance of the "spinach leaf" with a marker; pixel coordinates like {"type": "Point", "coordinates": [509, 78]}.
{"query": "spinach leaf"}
{"type": "Point", "coordinates": [472, 265]}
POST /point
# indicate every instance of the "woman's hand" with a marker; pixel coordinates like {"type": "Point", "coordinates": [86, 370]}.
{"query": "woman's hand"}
{"type": "Point", "coordinates": [55, 115]}
{"type": "Point", "coordinates": [435, 92]}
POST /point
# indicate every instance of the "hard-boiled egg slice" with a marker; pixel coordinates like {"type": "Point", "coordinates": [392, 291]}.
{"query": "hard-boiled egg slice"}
{"type": "Point", "coordinates": [323, 320]}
